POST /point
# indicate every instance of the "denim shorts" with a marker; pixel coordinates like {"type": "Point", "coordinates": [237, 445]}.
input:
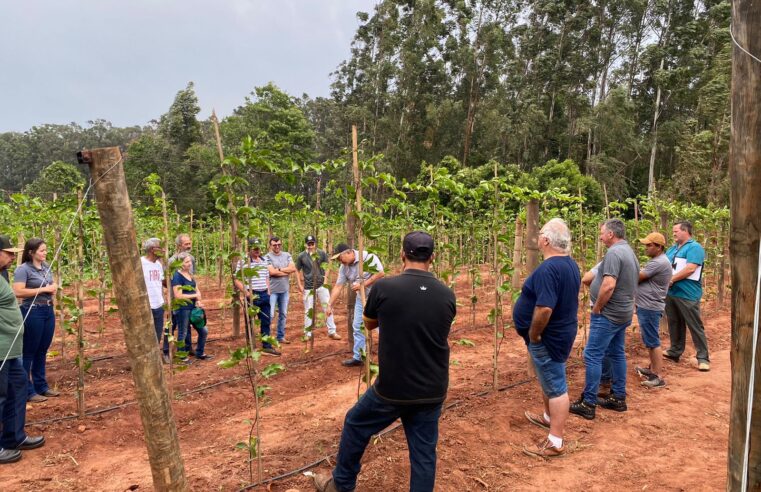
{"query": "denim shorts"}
{"type": "Point", "coordinates": [551, 374]}
{"type": "Point", "coordinates": [649, 326]}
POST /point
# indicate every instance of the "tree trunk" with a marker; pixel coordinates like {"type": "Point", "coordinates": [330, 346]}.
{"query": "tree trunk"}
{"type": "Point", "coordinates": [140, 338]}
{"type": "Point", "coordinates": [745, 195]}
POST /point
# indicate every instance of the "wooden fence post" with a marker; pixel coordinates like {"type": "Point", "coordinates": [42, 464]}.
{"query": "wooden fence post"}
{"type": "Point", "coordinates": [153, 400]}
{"type": "Point", "coordinates": [745, 192]}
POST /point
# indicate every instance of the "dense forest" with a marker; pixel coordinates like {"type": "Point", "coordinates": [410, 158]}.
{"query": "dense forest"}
{"type": "Point", "coordinates": [629, 96]}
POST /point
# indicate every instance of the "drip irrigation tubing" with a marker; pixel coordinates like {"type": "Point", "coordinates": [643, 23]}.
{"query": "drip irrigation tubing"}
{"type": "Point", "coordinates": [388, 430]}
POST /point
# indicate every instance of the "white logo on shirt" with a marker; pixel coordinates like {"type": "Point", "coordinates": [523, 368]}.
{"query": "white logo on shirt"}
{"type": "Point", "coordinates": [423, 287]}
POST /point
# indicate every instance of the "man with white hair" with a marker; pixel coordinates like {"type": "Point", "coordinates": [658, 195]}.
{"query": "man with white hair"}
{"type": "Point", "coordinates": [546, 316]}
{"type": "Point", "coordinates": [153, 273]}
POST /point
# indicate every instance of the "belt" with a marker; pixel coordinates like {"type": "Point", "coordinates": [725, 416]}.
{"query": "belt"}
{"type": "Point", "coordinates": [39, 304]}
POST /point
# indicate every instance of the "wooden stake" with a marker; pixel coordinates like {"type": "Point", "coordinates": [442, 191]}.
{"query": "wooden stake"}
{"type": "Point", "coordinates": [81, 308]}
{"type": "Point", "coordinates": [153, 400]}
{"type": "Point", "coordinates": [517, 253]}
{"type": "Point", "coordinates": [532, 235]}
{"type": "Point", "coordinates": [234, 245]}
{"type": "Point", "coordinates": [360, 248]}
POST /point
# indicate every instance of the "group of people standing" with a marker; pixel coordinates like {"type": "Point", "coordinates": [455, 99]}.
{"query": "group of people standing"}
{"type": "Point", "coordinates": [546, 316]}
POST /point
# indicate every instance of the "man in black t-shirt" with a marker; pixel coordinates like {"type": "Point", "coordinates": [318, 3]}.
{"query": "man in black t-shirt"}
{"type": "Point", "coordinates": [416, 311]}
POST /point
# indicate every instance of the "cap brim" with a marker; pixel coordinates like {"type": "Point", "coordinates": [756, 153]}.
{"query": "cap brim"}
{"type": "Point", "coordinates": [644, 241]}
{"type": "Point", "coordinates": [13, 250]}
{"type": "Point", "coordinates": [335, 256]}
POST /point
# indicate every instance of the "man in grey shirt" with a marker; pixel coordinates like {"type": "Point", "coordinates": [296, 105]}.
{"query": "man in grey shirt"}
{"type": "Point", "coordinates": [612, 293]}
{"type": "Point", "coordinates": [654, 281]}
{"type": "Point", "coordinates": [280, 268]}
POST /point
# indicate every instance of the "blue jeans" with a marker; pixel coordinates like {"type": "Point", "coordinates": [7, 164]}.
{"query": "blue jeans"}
{"type": "Point", "coordinates": [356, 324]}
{"type": "Point", "coordinates": [13, 394]}
{"type": "Point", "coordinates": [38, 335]}
{"type": "Point", "coordinates": [551, 374]}
{"type": "Point", "coordinates": [371, 415]}
{"type": "Point", "coordinates": [649, 326]}
{"type": "Point", "coordinates": [279, 301]}
{"type": "Point", "coordinates": [188, 341]}
{"type": "Point", "coordinates": [261, 299]}
{"type": "Point", "coordinates": [183, 327]}
{"type": "Point", "coordinates": [605, 339]}
{"type": "Point", "coordinates": [158, 322]}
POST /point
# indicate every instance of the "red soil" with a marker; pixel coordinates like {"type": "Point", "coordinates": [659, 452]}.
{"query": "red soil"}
{"type": "Point", "coordinates": [673, 438]}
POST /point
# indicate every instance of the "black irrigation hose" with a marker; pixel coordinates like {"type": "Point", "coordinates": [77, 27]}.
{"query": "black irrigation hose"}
{"type": "Point", "coordinates": [380, 434]}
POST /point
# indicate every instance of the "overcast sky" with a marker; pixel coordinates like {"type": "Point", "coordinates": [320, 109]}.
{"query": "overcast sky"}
{"type": "Point", "coordinates": [124, 60]}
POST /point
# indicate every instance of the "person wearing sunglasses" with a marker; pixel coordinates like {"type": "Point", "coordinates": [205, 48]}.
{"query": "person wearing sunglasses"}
{"type": "Point", "coordinates": [281, 267]}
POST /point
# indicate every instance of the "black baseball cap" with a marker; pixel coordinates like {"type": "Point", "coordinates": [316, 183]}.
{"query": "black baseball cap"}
{"type": "Point", "coordinates": [418, 245]}
{"type": "Point", "coordinates": [254, 242]}
{"type": "Point", "coordinates": [6, 245]}
{"type": "Point", "coordinates": [310, 239]}
{"type": "Point", "coordinates": [340, 248]}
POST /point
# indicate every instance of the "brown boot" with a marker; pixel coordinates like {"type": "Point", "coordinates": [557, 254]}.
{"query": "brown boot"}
{"type": "Point", "coordinates": [323, 482]}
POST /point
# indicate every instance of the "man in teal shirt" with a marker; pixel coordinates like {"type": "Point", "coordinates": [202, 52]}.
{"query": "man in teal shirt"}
{"type": "Point", "coordinates": [683, 299]}
{"type": "Point", "coordinates": [13, 378]}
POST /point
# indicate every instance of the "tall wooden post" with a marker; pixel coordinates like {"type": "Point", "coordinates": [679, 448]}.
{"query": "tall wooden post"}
{"type": "Point", "coordinates": [532, 235]}
{"type": "Point", "coordinates": [139, 335]}
{"type": "Point", "coordinates": [745, 194]}
{"type": "Point", "coordinates": [517, 253]}
{"type": "Point", "coordinates": [234, 245]}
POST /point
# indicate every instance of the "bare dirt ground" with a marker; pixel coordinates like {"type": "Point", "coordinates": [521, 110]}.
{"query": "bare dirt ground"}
{"type": "Point", "coordinates": [673, 438]}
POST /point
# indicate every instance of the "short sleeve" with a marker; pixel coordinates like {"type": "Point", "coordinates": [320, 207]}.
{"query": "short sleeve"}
{"type": "Point", "coordinates": [298, 263]}
{"type": "Point", "coordinates": [651, 269]}
{"type": "Point", "coordinates": [695, 255]}
{"type": "Point", "coordinates": [375, 262]}
{"type": "Point", "coordinates": [611, 266]}
{"type": "Point", "coordinates": [176, 278]}
{"type": "Point", "coordinates": [373, 300]}
{"type": "Point", "coordinates": [341, 276]}
{"type": "Point", "coordinates": [21, 274]}
{"type": "Point", "coordinates": [547, 289]}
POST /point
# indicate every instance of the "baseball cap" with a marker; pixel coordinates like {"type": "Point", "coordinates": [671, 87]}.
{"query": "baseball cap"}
{"type": "Point", "coordinates": [6, 245]}
{"type": "Point", "coordinates": [254, 242]}
{"type": "Point", "coordinates": [340, 248]}
{"type": "Point", "coordinates": [310, 239]}
{"type": "Point", "coordinates": [418, 245]}
{"type": "Point", "coordinates": [654, 237]}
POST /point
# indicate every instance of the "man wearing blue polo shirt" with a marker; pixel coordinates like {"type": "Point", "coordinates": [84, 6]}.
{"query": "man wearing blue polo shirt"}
{"type": "Point", "coordinates": [683, 299]}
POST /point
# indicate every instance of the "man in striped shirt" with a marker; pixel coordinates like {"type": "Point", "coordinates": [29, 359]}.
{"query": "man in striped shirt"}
{"type": "Point", "coordinates": [255, 272]}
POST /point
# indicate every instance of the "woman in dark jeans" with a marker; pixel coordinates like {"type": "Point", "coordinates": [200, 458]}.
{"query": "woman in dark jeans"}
{"type": "Point", "coordinates": [186, 292]}
{"type": "Point", "coordinates": [34, 284]}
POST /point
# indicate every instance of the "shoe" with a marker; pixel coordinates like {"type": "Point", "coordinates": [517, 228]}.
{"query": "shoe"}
{"type": "Point", "coordinates": [537, 420]}
{"type": "Point", "coordinates": [204, 357]}
{"type": "Point", "coordinates": [654, 382]}
{"type": "Point", "coordinates": [672, 358]}
{"type": "Point", "coordinates": [645, 372]}
{"type": "Point", "coordinates": [185, 359]}
{"type": "Point", "coordinates": [544, 449]}
{"type": "Point", "coordinates": [35, 398]}
{"type": "Point", "coordinates": [351, 362]}
{"type": "Point", "coordinates": [165, 358]}
{"type": "Point", "coordinates": [323, 482]}
{"type": "Point", "coordinates": [192, 353]}
{"type": "Point", "coordinates": [51, 392]}
{"type": "Point", "coordinates": [334, 336]}
{"type": "Point", "coordinates": [271, 351]}
{"type": "Point", "coordinates": [704, 366]}
{"type": "Point", "coordinates": [583, 409]}
{"type": "Point", "coordinates": [284, 341]}
{"type": "Point", "coordinates": [31, 443]}
{"type": "Point", "coordinates": [614, 403]}
{"type": "Point", "coordinates": [9, 455]}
